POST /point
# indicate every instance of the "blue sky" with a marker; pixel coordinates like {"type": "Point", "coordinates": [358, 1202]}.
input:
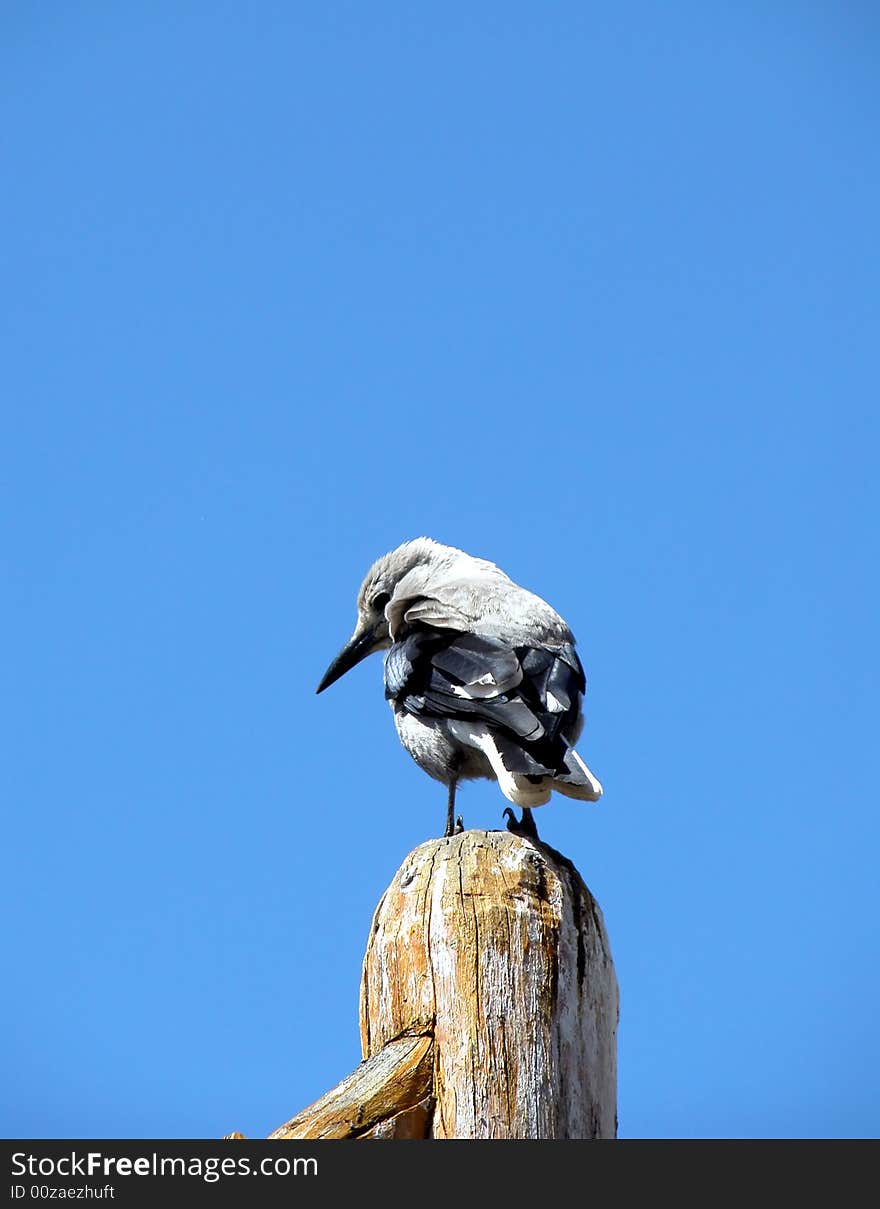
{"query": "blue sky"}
{"type": "Point", "coordinates": [587, 290]}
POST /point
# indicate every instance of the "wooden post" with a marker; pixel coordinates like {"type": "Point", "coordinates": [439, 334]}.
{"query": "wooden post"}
{"type": "Point", "coordinates": [488, 1003]}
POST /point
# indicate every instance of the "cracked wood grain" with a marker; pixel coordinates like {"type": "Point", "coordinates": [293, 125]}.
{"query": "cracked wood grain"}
{"type": "Point", "coordinates": [496, 944]}
{"type": "Point", "coordinates": [392, 1085]}
{"type": "Point", "coordinates": [488, 1004]}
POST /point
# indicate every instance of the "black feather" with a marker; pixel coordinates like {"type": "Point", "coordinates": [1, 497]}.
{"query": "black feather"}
{"type": "Point", "coordinates": [470, 657]}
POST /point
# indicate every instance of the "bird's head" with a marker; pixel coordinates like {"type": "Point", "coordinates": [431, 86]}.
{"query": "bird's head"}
{"type": "Point", "coordinates": [372, 632]}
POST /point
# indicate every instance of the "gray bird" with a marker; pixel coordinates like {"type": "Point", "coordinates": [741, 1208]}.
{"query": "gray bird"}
{"type": "Point", "coordinates": [482, 676]}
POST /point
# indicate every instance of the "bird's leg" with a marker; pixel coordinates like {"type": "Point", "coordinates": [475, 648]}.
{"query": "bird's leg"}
{"type": "Point", "coordinates": [527, 824]}
{"type": "Point", "coordinates": [523, 826]}
{"type": "Point", "coordinates": [450, 810]}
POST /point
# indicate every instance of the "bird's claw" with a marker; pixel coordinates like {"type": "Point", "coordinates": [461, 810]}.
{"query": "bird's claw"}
{"type": "Point", "coordinates": [524, 826]}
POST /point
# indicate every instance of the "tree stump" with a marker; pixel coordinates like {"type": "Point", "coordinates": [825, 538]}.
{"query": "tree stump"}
{"type": "Point", "coordinates": [488, 1003]}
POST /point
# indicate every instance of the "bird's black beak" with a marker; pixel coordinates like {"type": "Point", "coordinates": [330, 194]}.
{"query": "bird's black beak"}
{"type": "Point", "coordinates": [357, 649]}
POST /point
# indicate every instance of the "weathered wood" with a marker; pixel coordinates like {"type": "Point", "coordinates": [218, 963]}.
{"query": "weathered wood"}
{"type": "Point", "coordinates": [497, 944]}
{"type": "Point", "coordinates": [413, 1122]}
{"type": "Point", "coordinates": [394, 1079]}
{"type": "Point", "coordinates": [488, 1005]}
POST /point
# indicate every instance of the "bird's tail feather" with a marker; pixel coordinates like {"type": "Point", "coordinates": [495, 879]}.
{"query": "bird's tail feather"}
{"type": "Point", "coordinates": [521, 778]}
{"type": "Point", "coordinates": [577, 781]}
{"type": "Point", "coordinates": [518, 787]}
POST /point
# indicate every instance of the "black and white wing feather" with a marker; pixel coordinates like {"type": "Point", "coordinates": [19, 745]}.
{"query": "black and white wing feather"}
{"type": "Point", "coordinates": [528, 696]}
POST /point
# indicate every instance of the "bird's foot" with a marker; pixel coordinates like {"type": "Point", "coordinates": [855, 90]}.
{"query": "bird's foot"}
{"type": "Point", "coordinates": [524, 826]}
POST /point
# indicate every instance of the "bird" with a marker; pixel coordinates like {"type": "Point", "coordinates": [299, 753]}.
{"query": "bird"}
{"type": "Point", "coordinates": [482, 676]}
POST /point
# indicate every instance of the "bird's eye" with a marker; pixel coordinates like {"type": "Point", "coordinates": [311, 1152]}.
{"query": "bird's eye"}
{"type": "Point", "coordinates": [379, 601]}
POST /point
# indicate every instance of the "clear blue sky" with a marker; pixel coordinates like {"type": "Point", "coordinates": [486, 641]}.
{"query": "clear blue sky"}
{"type": "Point", "coordinates": [590, 290]}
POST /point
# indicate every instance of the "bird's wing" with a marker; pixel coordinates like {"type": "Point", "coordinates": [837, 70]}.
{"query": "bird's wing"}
{"type": "Point", "coordinates": [531, 693]}
{"type": "Point", "coordinates": [431, 611]}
